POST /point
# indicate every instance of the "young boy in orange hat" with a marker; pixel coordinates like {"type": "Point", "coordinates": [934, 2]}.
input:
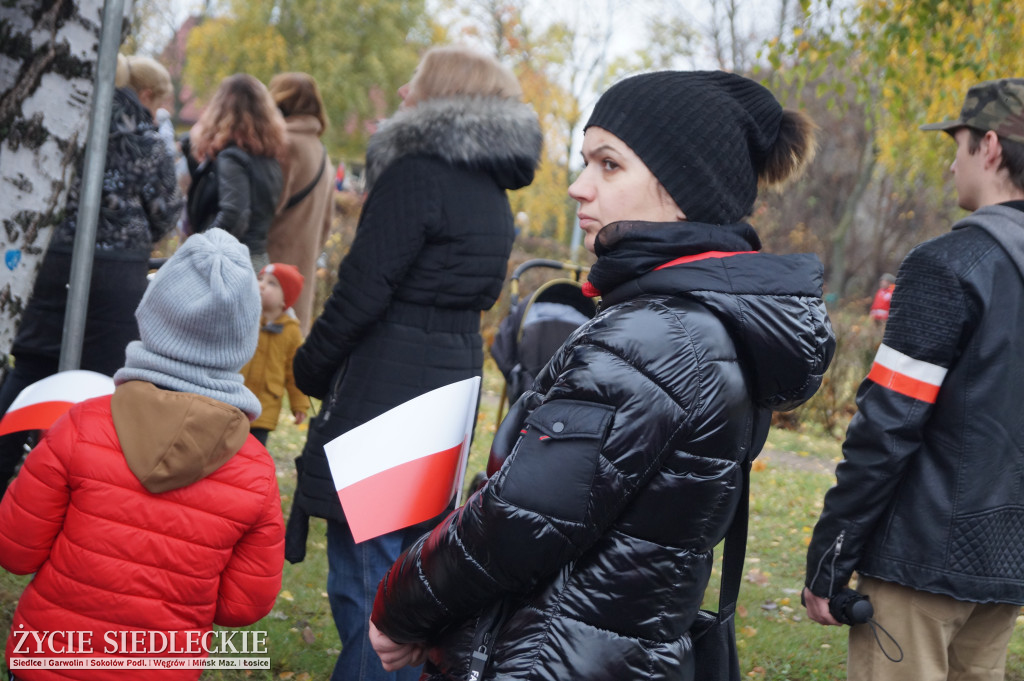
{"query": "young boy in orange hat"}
{"type": "Point", "coordinates": [269, 373]}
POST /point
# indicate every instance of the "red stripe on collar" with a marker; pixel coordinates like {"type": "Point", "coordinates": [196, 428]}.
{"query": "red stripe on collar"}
{"type": "Point", "coordinates": [701, 256]}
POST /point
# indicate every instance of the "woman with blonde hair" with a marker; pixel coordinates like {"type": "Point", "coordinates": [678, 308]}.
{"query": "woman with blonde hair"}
{"type": "Point", "coordinates": [586, 555]}
{"type": "Point", "coordinates": [430, 253]}
{"type": "Point", "coordinates": [306, 208]}
{"type": "Point", "coordinates": [237, 140]}
{"type": "Point", "coordinates": [152, 85]}
{"type": "Point", "coordinates": [148, 77]}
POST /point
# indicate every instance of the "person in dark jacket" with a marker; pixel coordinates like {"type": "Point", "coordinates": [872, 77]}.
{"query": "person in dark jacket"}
{"type": "Point", "coordinates": [927, 502]}
{"type": "Point", "coordinates": [139, 206]}
{"type": "Point", "coordinates": [587, 554]}
{"type": "Point", "coordinates": [239, 137]}
{"type": "Point", "coordinates": [430, 253]}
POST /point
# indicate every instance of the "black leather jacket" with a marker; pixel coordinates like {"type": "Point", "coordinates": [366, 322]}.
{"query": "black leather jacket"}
{"type": "Point", "coordinates": [248, 189]}
{"type": "Point", "coordinates": [595, 538]}
{"type": "Point", "coordinates": [929, 494]}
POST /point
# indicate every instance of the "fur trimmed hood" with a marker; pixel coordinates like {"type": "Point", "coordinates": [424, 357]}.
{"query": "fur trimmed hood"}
{"type": "Point", "coordinates": [497, 136]}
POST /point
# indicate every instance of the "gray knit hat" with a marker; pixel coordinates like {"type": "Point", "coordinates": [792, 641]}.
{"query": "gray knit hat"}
{"type": "Point", "coordinates": [199, 322]}
{"type": "Point", "coordinates": [704, 134]}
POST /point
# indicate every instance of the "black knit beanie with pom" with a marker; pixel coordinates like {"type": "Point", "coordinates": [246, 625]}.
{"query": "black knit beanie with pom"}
{"type": "Point", "coordinates": [704, 134]}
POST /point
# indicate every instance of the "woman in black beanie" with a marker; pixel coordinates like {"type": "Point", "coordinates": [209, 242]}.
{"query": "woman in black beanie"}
{"type": "Point", "coordinates": [587, 554]}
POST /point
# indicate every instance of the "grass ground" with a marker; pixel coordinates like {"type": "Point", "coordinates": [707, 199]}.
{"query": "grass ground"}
{"type": "Point", "coordinates": [776, 641]}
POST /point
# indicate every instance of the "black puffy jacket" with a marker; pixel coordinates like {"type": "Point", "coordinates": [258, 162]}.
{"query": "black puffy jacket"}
{"type": "Point", "coordinates": [595, 537]}
{"type": "Point", "coordinates": [430, 253]}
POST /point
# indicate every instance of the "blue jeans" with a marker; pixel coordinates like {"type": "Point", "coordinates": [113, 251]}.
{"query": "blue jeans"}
{"type": "Point", "coordinates": [353, 573]}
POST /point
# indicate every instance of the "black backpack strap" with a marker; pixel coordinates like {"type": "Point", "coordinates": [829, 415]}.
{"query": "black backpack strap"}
{"type": "Point", "coordinates": [734, 552]}
{"type": "Point", "coordinates": [302, 193]}
{"type": "Point", "coordinates": [735, 548]}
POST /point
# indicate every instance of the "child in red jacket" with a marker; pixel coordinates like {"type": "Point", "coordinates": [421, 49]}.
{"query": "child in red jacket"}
{"type": "Point", "coordinates": [149, 515]}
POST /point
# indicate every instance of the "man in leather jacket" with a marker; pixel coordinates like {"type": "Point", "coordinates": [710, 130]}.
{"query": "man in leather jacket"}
{"type": "Point", "coordinates": [927, 504]}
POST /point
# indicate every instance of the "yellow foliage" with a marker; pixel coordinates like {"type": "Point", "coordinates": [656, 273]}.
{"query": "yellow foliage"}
{"type": "Point", "coordinates": [929, 58]}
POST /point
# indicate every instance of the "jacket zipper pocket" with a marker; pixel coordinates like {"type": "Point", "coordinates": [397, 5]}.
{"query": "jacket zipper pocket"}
{"type": "Point", "coordinates": [836, 549]}
{"type": "Point", "coordinates": [335, 384]}
{"type": "Point", "coordinates": [483, 641]}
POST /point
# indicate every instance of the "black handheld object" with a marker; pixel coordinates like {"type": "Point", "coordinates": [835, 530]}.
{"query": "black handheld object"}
{"type": "Point", "coordinates": [850, 607]}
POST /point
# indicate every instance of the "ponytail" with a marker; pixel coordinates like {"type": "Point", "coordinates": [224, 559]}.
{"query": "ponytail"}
{"type": "Point", "coordinates": [792, 152]}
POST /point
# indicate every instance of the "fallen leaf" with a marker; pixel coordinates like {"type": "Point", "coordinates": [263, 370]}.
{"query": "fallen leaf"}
{"type": "Point", "coordinates": [308, 636]}
{"type": "Point", "coordinates": [287, 595]}
{"type": "Point", "coordinates": [755, 576]}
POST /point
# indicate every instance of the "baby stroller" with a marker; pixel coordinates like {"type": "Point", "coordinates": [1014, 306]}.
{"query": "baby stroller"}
{"type": "Point", "coordinates": [533, 330]}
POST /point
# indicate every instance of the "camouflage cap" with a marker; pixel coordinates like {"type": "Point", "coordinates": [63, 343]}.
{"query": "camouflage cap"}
{"type": "Point", "coordinates": [996, 105]}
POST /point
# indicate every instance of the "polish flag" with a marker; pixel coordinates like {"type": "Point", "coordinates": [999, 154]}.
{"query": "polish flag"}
{"type": "Point", "coordinates": [404, 466]}
{"type": "Point", "coordinates": [40, 404]}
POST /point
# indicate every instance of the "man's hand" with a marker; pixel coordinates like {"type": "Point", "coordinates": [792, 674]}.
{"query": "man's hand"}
{"type": "Point", "coordinates": [300, 416]}
{"type": "Point", "coordinates": [394, 656]}
{"type": "Point", "coordinates": [817, 608]}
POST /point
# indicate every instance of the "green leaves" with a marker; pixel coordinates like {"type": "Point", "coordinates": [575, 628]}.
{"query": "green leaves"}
{"type": "Point", "coordinates": [359, 52]}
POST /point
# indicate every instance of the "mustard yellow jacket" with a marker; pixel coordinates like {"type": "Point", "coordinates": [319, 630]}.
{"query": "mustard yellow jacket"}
{"type": "Point", "coordinates": [269, 373]}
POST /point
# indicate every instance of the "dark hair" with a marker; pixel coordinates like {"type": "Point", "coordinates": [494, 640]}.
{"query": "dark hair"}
{"type": "Point", "coordinates": [1013, 155]}
{"type": "Point", "coordinates": [793, 150]}
{"type": "Point", "coordinates": [297, 94]}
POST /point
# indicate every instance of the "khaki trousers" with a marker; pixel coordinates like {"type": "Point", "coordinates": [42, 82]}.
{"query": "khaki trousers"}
{"type": "Point", "coordinates": [942, 638]}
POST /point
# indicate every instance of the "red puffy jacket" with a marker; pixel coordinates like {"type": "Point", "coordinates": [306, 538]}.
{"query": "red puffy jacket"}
{"type": "Point", "coordinates": [147, 511]}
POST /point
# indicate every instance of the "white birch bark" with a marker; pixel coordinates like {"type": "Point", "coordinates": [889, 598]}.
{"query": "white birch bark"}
{"type": "Point", "coordinates": [48, 53]}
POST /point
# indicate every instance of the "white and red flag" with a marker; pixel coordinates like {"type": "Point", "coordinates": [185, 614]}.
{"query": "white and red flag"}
{"type": "Point", "coordinates": [404, 466]}
{"type": "Point", "coordinates": [40, 404]}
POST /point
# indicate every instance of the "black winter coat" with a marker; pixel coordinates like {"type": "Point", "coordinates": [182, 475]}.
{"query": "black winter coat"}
{"type": "Point", "coordinates": [140, 205]}
{"type": "Point", "coordinates": [595, 537]}
{"type": "Point", "coordinates": [430, 254]}
{"type": "Point", "coordinates": [928, 494]}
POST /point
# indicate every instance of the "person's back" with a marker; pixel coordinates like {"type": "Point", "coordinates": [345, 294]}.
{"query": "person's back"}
{"type": "Point", "coordinates": [238, 137]}
{"type": "Point", "coordinates": [430, 253]}
{"type": "Point", "coordinates": [153, 510]}
{"type": "Point", "coordinates": [304, 220]}
{"type": "Point", "coordinates": [926, 504]}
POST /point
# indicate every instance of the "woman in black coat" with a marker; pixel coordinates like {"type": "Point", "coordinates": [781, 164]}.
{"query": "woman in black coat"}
{"type": "Point", "coordinates": [430, 254]}
{"type": "Point", "coordinates": [587, 554]}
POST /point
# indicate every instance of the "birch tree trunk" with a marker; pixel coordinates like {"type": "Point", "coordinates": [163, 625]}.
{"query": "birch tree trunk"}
{"type": "Point", "coordinates": [48, 53]}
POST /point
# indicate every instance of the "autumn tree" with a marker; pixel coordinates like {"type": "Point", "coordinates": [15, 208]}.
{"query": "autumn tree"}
{"type": "Point", "coordinates": [903, 63]}
{"type": "Point", "coordinates": [359, 53]}
{"type": "Point", "coordinates": [563, 62]}
{"type": "Point", "coordinates": [47, 71]}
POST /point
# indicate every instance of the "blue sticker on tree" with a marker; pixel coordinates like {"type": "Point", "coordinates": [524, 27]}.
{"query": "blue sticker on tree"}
{"type": "Point", "coordinates": [12, 258]}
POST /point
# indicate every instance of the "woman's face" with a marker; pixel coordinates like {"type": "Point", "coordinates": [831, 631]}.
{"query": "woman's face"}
{"type": "Point", "coordinates": [616, 185]}
{"type": "Point", "coordinates": [408, 91]}
{"type": "Point", "coordinates": [405, 92]}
